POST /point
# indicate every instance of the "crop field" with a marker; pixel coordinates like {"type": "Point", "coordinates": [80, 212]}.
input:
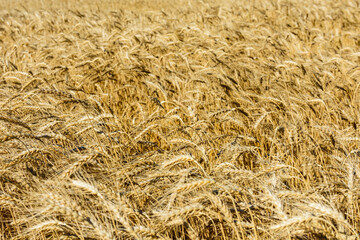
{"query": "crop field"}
{"type": "Point", "coordinates": [204, 119]}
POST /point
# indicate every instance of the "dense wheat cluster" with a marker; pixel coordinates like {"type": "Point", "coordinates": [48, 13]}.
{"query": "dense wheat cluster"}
{"type": "Point", "coordinates": [180, 120]}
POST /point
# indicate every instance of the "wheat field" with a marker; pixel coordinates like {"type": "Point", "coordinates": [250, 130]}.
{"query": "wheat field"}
{"type": "Point", "coordinates": [179, 119]}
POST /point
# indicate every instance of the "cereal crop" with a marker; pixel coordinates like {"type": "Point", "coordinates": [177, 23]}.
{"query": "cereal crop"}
{"type": "Point", "coordinates": [179, 119]}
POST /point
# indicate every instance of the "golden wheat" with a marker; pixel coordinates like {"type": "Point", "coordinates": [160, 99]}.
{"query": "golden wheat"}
{"type": "Point", "coordinates": [179, 120]}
